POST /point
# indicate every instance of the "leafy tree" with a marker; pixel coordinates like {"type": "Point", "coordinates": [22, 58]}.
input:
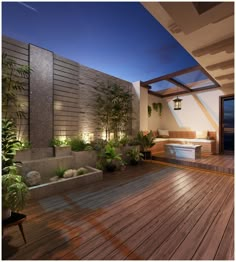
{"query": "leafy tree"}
{"type": "Point", "coordinates": [114, 108]}
{"type": "Point", "coordinates": [13, 82]}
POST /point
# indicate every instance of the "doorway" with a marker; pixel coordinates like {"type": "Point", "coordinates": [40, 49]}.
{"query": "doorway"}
{"type": "Point", "coordinates": [227, 124]}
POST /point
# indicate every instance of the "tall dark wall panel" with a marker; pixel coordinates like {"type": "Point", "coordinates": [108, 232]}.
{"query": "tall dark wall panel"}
{"type": "Point", "coordinates": [41, 97]}
{"type": "Point", "coordinates": [19, 52]}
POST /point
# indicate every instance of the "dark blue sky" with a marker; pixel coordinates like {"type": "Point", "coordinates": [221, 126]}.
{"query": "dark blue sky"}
{"type": "Point", "coordinates": [121, 39]}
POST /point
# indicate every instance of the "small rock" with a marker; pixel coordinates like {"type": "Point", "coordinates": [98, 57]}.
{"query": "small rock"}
{"type": "Point", "coordinates": [33, 178]}
{"type": "Point", "coordinates": [70, 173]}
{"type": "Point", "coordinates": [54, 179]}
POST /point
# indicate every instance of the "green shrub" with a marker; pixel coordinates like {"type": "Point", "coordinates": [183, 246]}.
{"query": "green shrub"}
{"type": "Point", "coordinates": [10, 145]}
{"type": "Point", "coordinates": [60, 142]}
{"type": "Point", "coordinates": [78, 144]}
{"type": "Point", "coordinates": [60, 172]}
{"type": "Point", "coordinates": [124, 140]}
{"type": "Point", "coordinates": [14, 192]}
{"type": "Point", "coordinates": [24, 145]}
{"type": "Point", "coordinates": [98, 144]}
{"type": "Point", "coordinates": [82, 171]}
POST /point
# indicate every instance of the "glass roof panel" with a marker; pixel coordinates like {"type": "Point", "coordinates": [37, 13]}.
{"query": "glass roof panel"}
{"type": "Point", "coordinates": [195, 79]}
{"type": "Point", "coordinates": [161, 85]}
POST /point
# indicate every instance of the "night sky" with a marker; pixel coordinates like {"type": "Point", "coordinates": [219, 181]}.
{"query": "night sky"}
{"type": "Point", "coordinates": [121, 39]}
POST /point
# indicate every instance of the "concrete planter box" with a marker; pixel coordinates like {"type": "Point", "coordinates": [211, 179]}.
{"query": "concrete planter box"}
{"type": "Point", "coordinates": [23, 155]}
{"type": "Point", "coordinates": [85, 158]}
{"type": "Point", "coordinates": [61, 151]}
{"type": "Point", "coordinates": [52, 188]}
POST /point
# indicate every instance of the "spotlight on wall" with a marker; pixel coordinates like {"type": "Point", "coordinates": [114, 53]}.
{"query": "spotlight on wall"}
{"type": "Point", "coordinates": [177, 103]}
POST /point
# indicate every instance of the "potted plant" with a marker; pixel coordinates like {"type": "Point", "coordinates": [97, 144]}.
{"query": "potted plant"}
{"type": "Point", "coordinates": [134, 156]}
{"type": "Point", "coordinates": [24, 151]}
{"type": "Point", "coordinates": [109, 158]}
{"type": "Point", "coordinates": [14, 194]}
{"type": "Point", "coordinates": [61, 147]}
{"type": "Point", "coordinates": [145, 142]}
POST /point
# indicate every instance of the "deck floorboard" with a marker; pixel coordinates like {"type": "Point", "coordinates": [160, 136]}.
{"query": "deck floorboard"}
{"type": "Point", "coordinates": [151, 211]}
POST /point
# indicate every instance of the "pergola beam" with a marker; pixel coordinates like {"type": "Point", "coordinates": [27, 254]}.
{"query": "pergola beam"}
{"type": "Point", "coordinates": [168, 76]}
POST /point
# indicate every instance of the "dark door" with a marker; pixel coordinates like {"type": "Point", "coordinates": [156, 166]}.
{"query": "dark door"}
{"type": "Point", "coordinates": [227, 125]}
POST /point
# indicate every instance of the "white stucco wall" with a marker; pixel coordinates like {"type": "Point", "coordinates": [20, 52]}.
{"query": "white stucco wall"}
{"type": "Point", "coordinates": [200, 111]}
{"type": "Point", "coordinates": [154, 121]}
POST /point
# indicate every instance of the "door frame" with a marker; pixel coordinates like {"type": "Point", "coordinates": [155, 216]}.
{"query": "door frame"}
{"type": "Point", "coordinates": [221, 139]}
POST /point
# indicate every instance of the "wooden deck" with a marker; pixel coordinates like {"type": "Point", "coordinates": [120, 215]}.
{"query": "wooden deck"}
{"type": "Point", "coordinates": [151, 211]}
{"type": "Point", "coordinates": [219, 163]}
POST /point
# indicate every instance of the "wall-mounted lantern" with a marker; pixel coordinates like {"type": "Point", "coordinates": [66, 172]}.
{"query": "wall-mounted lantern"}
{"type": "Point", "coordinates": [177, 103]}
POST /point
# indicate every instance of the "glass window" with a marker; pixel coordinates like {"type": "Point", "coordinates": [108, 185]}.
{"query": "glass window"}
{"type": "Point", "coordinates": [161, 85]}
{"type": "Point", "coordinates": [195, 79]}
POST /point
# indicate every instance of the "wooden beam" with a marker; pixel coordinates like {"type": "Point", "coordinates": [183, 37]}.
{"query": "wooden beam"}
{"type": "Point", "coordinates": [210, 77]}
{"type": "Point", "coordinates": [142, 84]}
{"type": "Point", "coordinates": [173, 81]}
{"type": "Point", "coordinates": [224, 45]}
{"type": "Point", "coordinates": [192, 90]}
{"type": "Point", "coordinates": [168, 76]}
{"type": "Point", "coordinates": [176, 94]}
{"type": "Point", "coordinates": [222, 65]}
{"type": "Point", "coordinates": [154, 93]}
{"type": "Point", "coordinates": [225, 77]}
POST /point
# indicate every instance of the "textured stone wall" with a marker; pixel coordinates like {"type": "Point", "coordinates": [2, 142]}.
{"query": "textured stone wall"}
{"type": "Point", "coordinates": [41, 97]}
{"type": "Point", "coordinates": [75, 88]}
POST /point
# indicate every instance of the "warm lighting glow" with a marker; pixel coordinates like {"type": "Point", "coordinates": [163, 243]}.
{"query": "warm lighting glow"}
{"type": "Point", "coordinates": [87, 137]}
{"type": "Point", "coordinates": [177, 103]}
{"type": "Point", "coordinates": [104, 135]}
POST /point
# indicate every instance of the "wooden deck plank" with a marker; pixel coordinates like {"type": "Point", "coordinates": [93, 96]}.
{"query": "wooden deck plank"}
{"type": "Point", "coordinates": [144, 247]}
{"type": "Point", "coordinates": [171, 244]}
{"type": "Point", "coordinates": [211, 241]}
{"type": "Point", "coordinates": [51, 216]}
{"type": "Point", "coordinates": [189, 246]}
{"type": "Point", "coordinates": [77, 215]}
{"type": "Point", "coordinates": [218, 163]}
{"type": "Point", "coordinates": [124, 209]}
{"type": "Point", "coordinates": [149, 207]}
{"type": "Point", "coordinates": [94, 223]}
{"type": "Point", "coordinates": [138, 222]}
{"type": "Point", "coordinates": [226, 247]}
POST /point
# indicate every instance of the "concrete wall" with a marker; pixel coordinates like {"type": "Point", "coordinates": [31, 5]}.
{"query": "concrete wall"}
{"type": "Point", "coordinates": [154, 121]}
{"type": "Point", "coordinates": [62, 95]}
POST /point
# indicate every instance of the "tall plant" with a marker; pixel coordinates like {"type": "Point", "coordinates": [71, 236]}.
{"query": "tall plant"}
{"type": "Point", "coordinates": [9, 146]}
{"type": "Point", "coordinates": [13, 83]}
{"type": "Point", "coordinates": [114, 107]}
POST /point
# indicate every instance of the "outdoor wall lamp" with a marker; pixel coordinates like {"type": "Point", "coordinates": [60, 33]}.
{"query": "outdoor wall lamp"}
{"type": "Point", "coordinates": [177, 103]}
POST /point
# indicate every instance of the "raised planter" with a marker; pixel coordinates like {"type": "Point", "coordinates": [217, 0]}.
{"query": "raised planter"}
{"type": "Point", "coordinates": [23, 155]}
{"type": "Point", "coordinates": [52, 188]}
{"type": "Point", "coordinates": [85, 158]}
{"type": "Point", "coordinates": [61, 151]}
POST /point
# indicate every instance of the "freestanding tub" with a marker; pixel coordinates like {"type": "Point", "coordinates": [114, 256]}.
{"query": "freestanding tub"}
{"type": "Point", "coordinates": [183, 151]}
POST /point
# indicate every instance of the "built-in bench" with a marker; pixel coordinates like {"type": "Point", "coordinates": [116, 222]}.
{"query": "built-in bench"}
{"type": "Point", "coordinates": [208, 145]}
